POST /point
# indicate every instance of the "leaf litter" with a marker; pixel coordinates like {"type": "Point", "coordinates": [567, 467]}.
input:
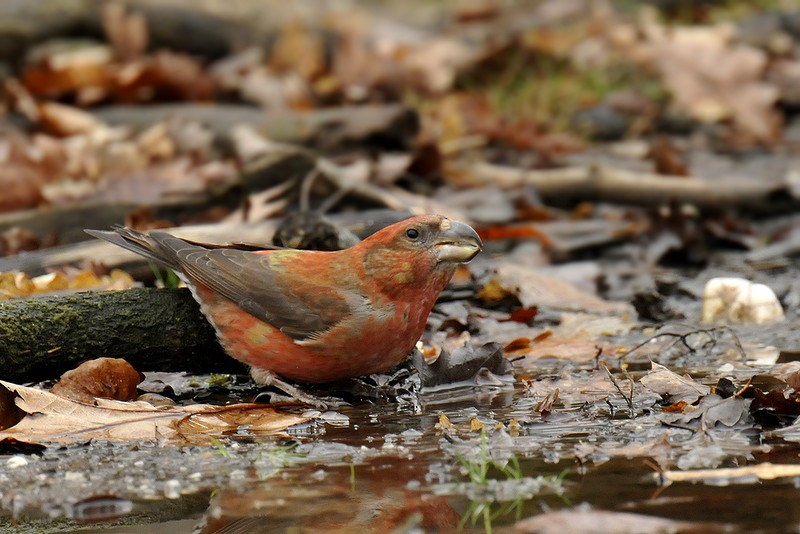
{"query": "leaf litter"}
{"type": "Point", "coordinates": [58, 420]}
{"type": "Point", "coordinates": [541, 382]}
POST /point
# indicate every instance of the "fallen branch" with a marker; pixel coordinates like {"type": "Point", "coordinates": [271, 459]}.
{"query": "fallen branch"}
{"type": "Point", "coordinates": [602, 183]}
{"type": "Point", "coordinates": [153, 329]}
{"type": "Point", "coordinates": [393, 125]}
{"type": "Point", "coordinates": [69, 220]}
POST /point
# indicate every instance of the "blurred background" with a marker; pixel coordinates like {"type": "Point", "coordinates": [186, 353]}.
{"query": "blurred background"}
{"type": "Point", "coordinates": [159, 114]}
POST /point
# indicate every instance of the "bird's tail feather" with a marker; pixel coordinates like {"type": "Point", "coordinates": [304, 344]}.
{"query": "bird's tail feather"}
{"type": "Point", "coordinates": [139, 243]}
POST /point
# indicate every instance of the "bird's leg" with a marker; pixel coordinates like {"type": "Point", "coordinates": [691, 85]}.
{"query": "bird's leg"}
{"type": "Point", "coordinates": [263, 377]}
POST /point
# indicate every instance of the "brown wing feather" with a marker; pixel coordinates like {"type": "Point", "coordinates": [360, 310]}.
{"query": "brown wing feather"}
{"type": "Point", "coordinates": [297, 308]}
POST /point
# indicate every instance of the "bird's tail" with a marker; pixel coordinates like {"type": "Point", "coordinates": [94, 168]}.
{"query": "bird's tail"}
{"type": "Point", "coordinates": [139, 243]}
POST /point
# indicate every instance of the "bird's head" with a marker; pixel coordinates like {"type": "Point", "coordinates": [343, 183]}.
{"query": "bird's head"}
{"type": "Point", "coordinates": [446, 240]}
{"type": "Point", "coordinates": [420, 250]}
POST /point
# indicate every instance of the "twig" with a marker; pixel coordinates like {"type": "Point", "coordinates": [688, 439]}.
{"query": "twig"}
{"type": "Point", "coordinates": [628, 398]}
{"type": "Point", "coordinates": [684, 339]}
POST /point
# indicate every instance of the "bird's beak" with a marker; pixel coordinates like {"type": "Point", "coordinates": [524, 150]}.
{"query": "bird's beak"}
{"type": "Point", "coordinates": [457, 242]}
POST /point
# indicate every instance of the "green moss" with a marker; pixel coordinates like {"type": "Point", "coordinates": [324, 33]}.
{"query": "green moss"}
{"type": "Point", "coordinates": [739, 9]}
{"type": "Point", "coordinates": [534, 86]}
{"type": "Point", "coordinates": [219, 379]}
{"type": "Point", "coordinates": [43, 337]}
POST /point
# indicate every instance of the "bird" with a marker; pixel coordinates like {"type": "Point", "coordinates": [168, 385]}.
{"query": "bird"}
{"type": "Point", "coordinates": [317, 316]}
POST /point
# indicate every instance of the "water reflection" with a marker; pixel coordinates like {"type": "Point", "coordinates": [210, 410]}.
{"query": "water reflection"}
{"type": "Point", "coordinates": [377, 496]}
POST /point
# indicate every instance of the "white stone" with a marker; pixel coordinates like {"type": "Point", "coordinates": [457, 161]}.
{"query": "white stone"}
{"type": "Point", "coordinates": [16, 461]}
{"type": "Point", "coordinates": [172, 489]}
{"type": "Point", "coordinates": [736, 300]}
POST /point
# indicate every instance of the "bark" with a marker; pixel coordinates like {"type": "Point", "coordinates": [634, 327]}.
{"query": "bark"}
{"type": "Point", "coordinates": [153, 329]}
{"type": "Point", "coordinates": [607, 184]}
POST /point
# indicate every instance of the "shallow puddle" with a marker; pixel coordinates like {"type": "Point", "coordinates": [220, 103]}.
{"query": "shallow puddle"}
{"type": "Point", "coordinates": [414, 464]}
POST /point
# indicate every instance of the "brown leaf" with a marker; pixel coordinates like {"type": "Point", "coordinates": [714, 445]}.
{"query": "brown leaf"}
{"type": "Point", "coordinates": [46, 283]}
{"type": "Point", "coordinates": [572, 348]}
{"type": "Point", "coordinates": [298, 50]}
{"type": "Point", "coordinates": [127, 32]}
{"type": "Point", "coordinates": [17, 284]}
{"type": "Point", "coordinates": [10, 414]}
{"type": "Point", "coordinates": [516, 232]}
{"type": "Point", "coordinates": [55, 420]}
{"type": "Point", "coordinates": [21, 186]}
{"type": "Point", "coordinates": [535, 289]}
{"type": "Point", "coordinates": [678, 407]}
{"type": "Point", "coordinates": [179, 76]}
{"type": "Point", "coordinates": [61, 68]}
{"type": "Point", "coordinates": [14, 285]}
{"type": "Point", "coordinates": [713, 79]}
{"type": "Point", "coordinates": [793, 380]}
{"type": "Point", "coordinates": [714, 409]}
{"type": "Point", "coordinates": [545, 406]}
{"type": "Point", "coordinates": [658, 448]}
{"type": "Point", "coordinates": [107, 378]}
{"type": "Point", "coordinates": [666, 158]}
{"type": "Point", "coordinates": [774, 401]}
{"type": "Point", "coordinates": [17, 239]}
{"type": "Point", "coordinates": [576, 389]}
{"type": "Point", "coordinates": [62, 120]}
{"type": "Point", "coordinates": [667, 383]}
{"type": "Point", "coordinates": [434, 64]}
{"type": "Point", "coordinates": [519, 344]}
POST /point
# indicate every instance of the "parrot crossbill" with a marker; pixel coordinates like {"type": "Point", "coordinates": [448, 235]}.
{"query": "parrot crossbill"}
{"type": "Point", "coordinates": [312, 316]}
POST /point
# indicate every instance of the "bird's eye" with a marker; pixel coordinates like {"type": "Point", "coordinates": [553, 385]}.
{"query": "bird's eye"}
{"type": "Point", "coordinates": [412, 233]}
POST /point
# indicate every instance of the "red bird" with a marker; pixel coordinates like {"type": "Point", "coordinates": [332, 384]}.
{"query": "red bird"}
{"type": "Point", "coordinates": [318, 316]}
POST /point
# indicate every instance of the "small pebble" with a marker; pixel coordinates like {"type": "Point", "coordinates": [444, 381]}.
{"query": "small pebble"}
{"type": "Point", "coordinates": [16, 461]}
{"type": "Point", "coordinates": [172, 489]}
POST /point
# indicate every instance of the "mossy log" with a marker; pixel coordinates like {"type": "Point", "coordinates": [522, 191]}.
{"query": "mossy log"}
{"type": "Point", "coordinates": [153, 329]}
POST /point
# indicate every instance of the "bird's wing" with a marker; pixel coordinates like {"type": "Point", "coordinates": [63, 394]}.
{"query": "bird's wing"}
{"type": "Point", "coordinates": [300, 308]}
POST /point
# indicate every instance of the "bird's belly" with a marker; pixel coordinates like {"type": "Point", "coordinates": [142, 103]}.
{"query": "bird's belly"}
{"type": "Point", "coordinates": [374, 347]}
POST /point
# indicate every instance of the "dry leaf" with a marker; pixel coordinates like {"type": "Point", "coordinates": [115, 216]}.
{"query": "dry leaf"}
{"type": "Point", "coordinates": [476, 425]}
{"type": "Point", "coordinates": [659, 448]}
{"type": "Point", "coordinates": [297, 49]}
{"type": "Point", "coordinates": [15, 285]}
{"type": "Point", "coordinates": [18, 284]}
{"type": "Point", "coordinates": [573, 348]}
{"type": "Point", "coordinates": [63, 120]}
{"type": "Point", "coordinates": [713, 79]}
{"type": "Point", "coordinates": [434, 64]}
{"type": "Point", "coordinates": [444, 423]}
{"type": "Point", "coordinates": [108, 378]}
{"type": "Point", "coordinates": [57, 68]}
{"type": "Point", "coordinates": [21, 183]}
{"type": "Point", "coordinates": [127, 32]}
{"type": "Point", "coordinates": [666, 383]}
{"type": "Point", "coordinates": [534, 289]}
{"type": "Point", "coordinates": [576, 389]}
{"type": "Point", "coordinates": [55, 420]}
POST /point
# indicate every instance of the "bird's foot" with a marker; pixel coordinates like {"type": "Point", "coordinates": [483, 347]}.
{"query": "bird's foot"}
{"type": "Point", "coordinates": [263, 377]}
